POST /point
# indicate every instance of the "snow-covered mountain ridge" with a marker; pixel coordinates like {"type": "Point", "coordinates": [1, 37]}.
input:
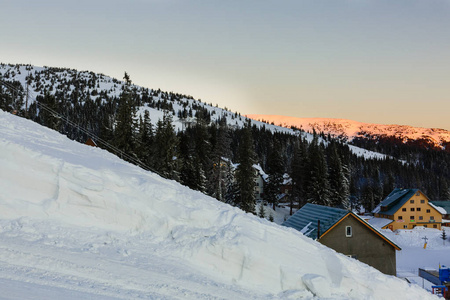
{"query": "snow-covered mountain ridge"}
{"type": "Point", "coordinates": [348, 129]}
{"type": "Point", "coordinates": [76, 222]}
{"type": "Point", "coordinates": [85, 86]}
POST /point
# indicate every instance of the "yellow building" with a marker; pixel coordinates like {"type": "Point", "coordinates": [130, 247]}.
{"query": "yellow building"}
{"type": "Point", "coordinates": [408, 208]}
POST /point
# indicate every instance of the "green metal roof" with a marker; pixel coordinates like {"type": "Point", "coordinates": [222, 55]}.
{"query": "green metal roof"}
{"type": "Point", "coordinates": [444, 204]}
{"type": "Point", "coordinates": [395, 200]}
{"type": "Point", "coordinates": [305, 219]}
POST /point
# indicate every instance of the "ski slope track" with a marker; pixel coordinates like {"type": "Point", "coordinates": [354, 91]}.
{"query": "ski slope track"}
{"type": "Point", "coordinates": [76, 222]}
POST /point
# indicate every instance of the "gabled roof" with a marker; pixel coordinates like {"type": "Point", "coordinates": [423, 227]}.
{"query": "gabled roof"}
{"type": "Point", "coordinates": [305, 221]}
{"type": "Point", "coordinates": [395, 200]}
{"type": "Point", "coordinates": [444, 204]}
{"type": "Point", "coordinates": [310, 213]}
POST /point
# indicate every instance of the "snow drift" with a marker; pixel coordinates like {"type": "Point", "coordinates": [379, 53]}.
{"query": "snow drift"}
{"type": "Point", "coordinates": [79, 221]}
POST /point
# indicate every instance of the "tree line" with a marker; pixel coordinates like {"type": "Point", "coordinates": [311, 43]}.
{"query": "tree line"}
{"type": "Point", "coordinates": [217, 159]}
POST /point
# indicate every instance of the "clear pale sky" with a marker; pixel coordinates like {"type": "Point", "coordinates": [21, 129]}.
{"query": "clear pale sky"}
{"type": "Point", "coordinates": [383, 61]}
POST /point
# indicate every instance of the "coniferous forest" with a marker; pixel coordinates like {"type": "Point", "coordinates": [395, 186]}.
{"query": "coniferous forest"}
{"type": "Point", "coordinates": [213, 152]}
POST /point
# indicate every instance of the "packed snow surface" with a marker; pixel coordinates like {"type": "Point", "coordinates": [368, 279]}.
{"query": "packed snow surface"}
{"type": "Point", "coordinates": [78, 223]}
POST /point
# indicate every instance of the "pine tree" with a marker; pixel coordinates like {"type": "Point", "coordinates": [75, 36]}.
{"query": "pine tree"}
{"type": "Point", "coordinates": [123, 133]}
{"type": "Point", "coordinates": [339, 184]}
{"type": "Point", "coordinates": [261, 212]}
{"type": "Point", "coordinates": [48, 111]}
{"type": "Point", "coordinates": [272, 189]}
{"type": "Point", "coordinates": [245, 173]}
{"type": "Point", "coordinates": [443, 235]}
{"type": "Point", "coordinates": [317, 186]}
{"type": "Point", "coordinates": [166, 148]}
{"type": "Point", "coordinates": [298, 170]}
{"type": "Point", "coordinates": [221, 164]}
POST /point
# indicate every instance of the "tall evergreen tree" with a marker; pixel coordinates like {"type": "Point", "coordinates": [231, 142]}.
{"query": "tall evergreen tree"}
{"type": "Point", "coordinates": [123, 133]}
{"type": "Point", "coordinates": [275, 168]}
{"type": "Point", "coordinates": [221, 154]}
{"type": "Point", "coordinates": [166, 148]}
{"type": "Point", "coordinates": [245, 173]}
{"type": "Point", "coordinates": [339, 184]}
{"type": "Point", "coordinates": [298, 170]}
{"type": "Point", "coordinates": [317, 186]}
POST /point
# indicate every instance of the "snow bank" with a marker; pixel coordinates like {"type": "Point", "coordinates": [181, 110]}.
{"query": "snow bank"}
{"type": "Point", "coordinates": [57, 193]}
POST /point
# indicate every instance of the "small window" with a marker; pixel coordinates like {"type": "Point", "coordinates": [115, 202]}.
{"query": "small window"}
{"type": "Point", "coordinates": [405, 226]}
{"type": "Point", "coordinates": [428, 211]}
{"type": "Point", "coordinates": [400, 217]}
{"type": "Point", "coordinates": [425, 226]}
{"type": "Point", "coordinates": [404, 209]}
{"type": "Point", "coordinates": [348, 231]}
{"type": "Point", "coordinates": [411, 201]}
{"type": "Point", "coordinates": [412, 208]}
{"type": "Point", "coordinates": [434, 226]}
{"type": "Point", "coordinates": [431, 218]}
{"type": "Point", "coordinates": [411, 218]}
{"type": "Point", "coordinates": [418, 209]}
{"type": "Point", "coordinates": [422, 201]}
{"type": "Point", "coordinates": [420, 218]}
{"type": "Point", "coordinates": [418, 194]}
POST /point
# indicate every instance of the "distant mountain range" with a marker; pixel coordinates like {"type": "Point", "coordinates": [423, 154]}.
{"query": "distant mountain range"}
{"type": "Point", "coordinates": [348, 129]}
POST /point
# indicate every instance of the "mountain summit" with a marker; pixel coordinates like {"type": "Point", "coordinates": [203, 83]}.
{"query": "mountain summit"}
{"type": "Point", "coordinates": [348, 129]}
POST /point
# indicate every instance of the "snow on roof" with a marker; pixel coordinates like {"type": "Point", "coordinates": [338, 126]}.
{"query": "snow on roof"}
{"type": "Point", "coordinates": [438, 208]}
{"type": "Point", "coordinates": [378, 223]}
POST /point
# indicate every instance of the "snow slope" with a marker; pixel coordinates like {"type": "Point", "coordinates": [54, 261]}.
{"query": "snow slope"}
{"type": "Point", "coordinates": [350, 129]}
{"type": "Point", "coordinates": [61, 80]}
{"type": "Point", "coordinates": [78, 223]}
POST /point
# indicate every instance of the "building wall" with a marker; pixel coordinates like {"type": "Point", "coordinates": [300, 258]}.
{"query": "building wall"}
{"type": "Point", "coordinates": [259, 187]}
{"type": "Point", "coordinates": [417, 212]}
{"type": "Point", "coordinates": [364, 245]}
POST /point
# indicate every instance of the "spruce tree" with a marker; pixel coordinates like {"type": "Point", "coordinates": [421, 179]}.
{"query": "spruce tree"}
{"type": "Point", "coordinates": [339, 184]}
{"type": "Point", "coordinates": [317, 186]}
{"type": "Point", "coordinates": [123, 133]}
{"type": "Point", "coordinates": [261, 211]}
{"type": "Point", "coordinates": [298, 170]}
{"type": "Point", "coordinates": [245, 173]}
{"type": "Point", "coordinates": [443, 235]}
{"type": "Point", "coordinates": [275, 166]}
{"type": "Point", "coordinates": [166, 147]}
{"type": "Point", "coordinates": [218, 181]}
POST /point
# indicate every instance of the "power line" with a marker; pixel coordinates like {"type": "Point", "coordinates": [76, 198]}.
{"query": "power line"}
{"type": "Point", "coordinates": [106, 145]}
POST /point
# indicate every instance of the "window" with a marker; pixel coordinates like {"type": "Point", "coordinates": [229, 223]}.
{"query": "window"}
{"type": "Point", "coordinates": [425, 226]}
{"type": "Point", "coordinates": [428, 211]}
{"type": "Point", "coordinates": [411, 218]}
{"type": "Point", "coordinates": [418, 209]}
{"type": "Point", "coordinates": [412, 208]}
{"type": "Point", "coordinates": [348, 231]}
{"type": "Point", "coordinates": [400, 217]}
{"type": "Point", "coordinates": [405, 226]}
{"type": "Point", "coordinates": [420, 218]}
{"type": "Point", "coordinates": [431, 218]}
{"type": "Point", "coordinates": [422, 201]}
{"type": "Point", "coordinates": [404, 209]}
{"type": "Point", "coordinates": [434, 226]}
{"type": "Point", "coordinates": [411, 201]}
{"type": "Point", "coordinates": [418, 194]}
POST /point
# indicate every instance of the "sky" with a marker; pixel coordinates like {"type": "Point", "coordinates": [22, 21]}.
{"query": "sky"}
{"type": "Point", "coordinates": [384, 61]}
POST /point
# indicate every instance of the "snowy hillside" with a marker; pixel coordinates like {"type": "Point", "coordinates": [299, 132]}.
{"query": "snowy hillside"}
{"type": "Point", "coordinates": [85, 86]}
{"type": "Point", "coordinates": [350, 129]}
{"type": "Point", "coordinates": [78, 223]}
